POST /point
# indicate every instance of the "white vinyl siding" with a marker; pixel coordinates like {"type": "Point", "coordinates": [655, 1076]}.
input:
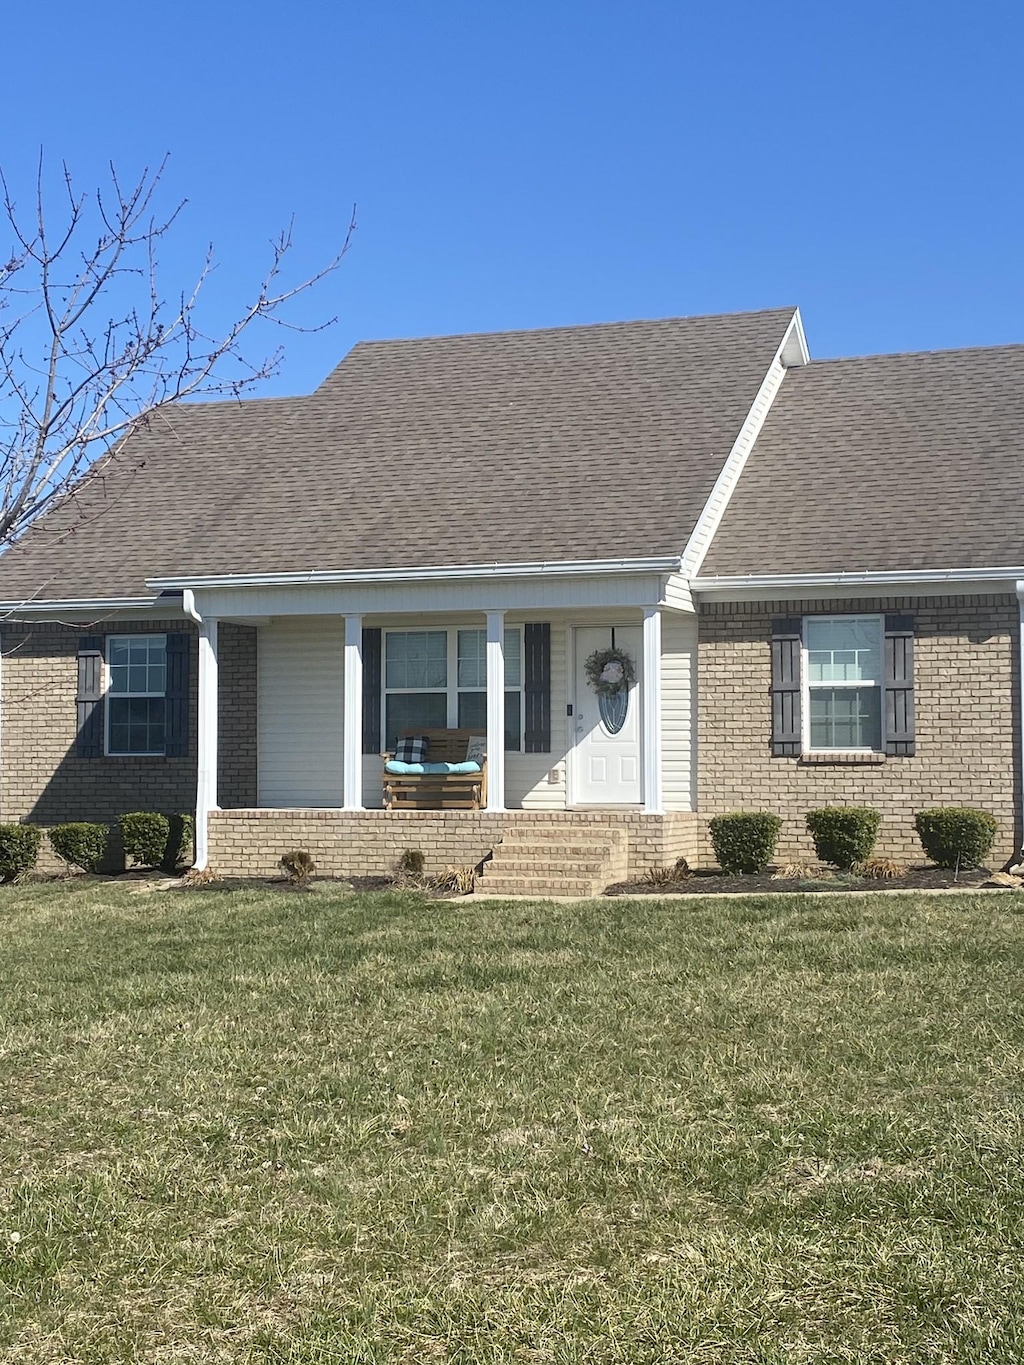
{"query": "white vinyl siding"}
{"type": "Point", "coordinates": [300, 695]}
{"type": "Point", "coordinates": [678, 713]}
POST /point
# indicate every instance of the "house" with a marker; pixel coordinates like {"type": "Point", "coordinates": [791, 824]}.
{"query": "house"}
{"type": "Point", "coordinates": [814, 571]}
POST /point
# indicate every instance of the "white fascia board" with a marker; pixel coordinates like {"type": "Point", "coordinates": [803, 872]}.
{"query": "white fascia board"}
{"type": "Point", "coordinates": [441, 573]}
{"type": "Point", "coordinates": [431, 598]}
{"type": "Point", "coordinates": [90, 607]}
{"type": "Point", "coordinates": [792, 351]}
{"type": "Point", "coordinates": [755, 587]}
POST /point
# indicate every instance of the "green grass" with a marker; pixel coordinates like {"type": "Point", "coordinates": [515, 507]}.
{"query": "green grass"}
{"type": "Point", "coordinates": [304, 1128]}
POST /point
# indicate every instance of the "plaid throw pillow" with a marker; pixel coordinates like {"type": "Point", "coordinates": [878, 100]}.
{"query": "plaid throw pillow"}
{"type": "Point", "coordinates": [412, 749]}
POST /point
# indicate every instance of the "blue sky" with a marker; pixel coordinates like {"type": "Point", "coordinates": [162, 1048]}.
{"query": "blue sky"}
{"type": "Point", "coordinates": [534, 164]}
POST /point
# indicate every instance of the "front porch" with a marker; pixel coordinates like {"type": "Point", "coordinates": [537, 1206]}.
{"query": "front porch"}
{"type": "Point", "coordinates": [336, 685]}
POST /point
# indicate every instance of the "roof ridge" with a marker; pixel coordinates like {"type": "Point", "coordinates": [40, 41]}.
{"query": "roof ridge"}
{"type": "Point", "coordinates": [783, 311]}
{"type": "Point", "coordinates": [819, 361]}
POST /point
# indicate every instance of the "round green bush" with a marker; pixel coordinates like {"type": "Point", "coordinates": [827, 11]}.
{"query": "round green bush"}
{"type": "Point", "coordinates": [843, 835]}
{"type": "Point", "coordinates": [956, 836]}
{"type": "Point", "coordinates": [144, 836]}
{"type": "Point", "coordinates": [19, 849]}
{"type": "Point", "coordinates": [81, 844]}
{"type": "Point", "coordinates": [745, 840]}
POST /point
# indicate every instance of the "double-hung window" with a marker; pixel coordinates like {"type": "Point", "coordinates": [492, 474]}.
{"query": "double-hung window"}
{"type": "Point", "coordinates": [136, 694]}
{"type": "Point", "coordinates": [843, 682]}
{"type": "Point", "coordinates": [472, 680]}
{"type": "Point", "coordinates": [437, 679]}
{"type": "Point", "coordinates": [415, 682]}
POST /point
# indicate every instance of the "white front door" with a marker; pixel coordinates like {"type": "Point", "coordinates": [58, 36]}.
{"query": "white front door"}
{"type": "Point", "coordinates": [605, 755]}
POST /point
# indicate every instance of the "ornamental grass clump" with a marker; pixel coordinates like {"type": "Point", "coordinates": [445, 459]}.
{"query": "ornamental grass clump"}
{"type": "Point", "coordinates": [81, 844]}
{"type": "Point", "coordinates": [844, 835]}
{"type": "Point", "coordinates": [19, 849]}
{"type": "Point", "coordinates": [144, 836]}
{"type": "Point", "coordinates": [956, 836]}
{"type": "Point", "coordinates": [745, 840]}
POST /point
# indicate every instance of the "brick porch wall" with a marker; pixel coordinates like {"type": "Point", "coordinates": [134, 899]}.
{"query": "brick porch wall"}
{"type": "Point", "coordinates": [42, 779]}
{"type": "Point", "coordinates": [965, 694]}
{"type": "Point", "coordinates": [367, 843]}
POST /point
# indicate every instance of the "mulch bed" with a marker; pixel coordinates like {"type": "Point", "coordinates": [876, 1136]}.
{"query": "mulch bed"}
{"type": "Point", "coordinates": [759, 884]}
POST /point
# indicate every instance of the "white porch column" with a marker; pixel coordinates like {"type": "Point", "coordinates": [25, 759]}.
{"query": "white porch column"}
{"type": "Point", "coordinates": [206, 785]}
{"type": "Point", "coordinates": [353, 729]}
{"type": "Point", "coordinates": [495, 710]}
{"type": "Point", "coordinates": [650, 691]}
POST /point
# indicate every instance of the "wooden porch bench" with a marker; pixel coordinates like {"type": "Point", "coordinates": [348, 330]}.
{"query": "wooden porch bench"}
{"type": "Point", "coordinates": [437, 791]}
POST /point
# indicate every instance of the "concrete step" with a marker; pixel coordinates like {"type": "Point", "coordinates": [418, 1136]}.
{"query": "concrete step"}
{"type": "Point", "coordinates": [556, 853]}
{"type": "Point", "coordinates": [531, 865]}
{"type": "Point", "coordinates": [520, 885]}
{"type": "Point", "coordinates": [563, 833]}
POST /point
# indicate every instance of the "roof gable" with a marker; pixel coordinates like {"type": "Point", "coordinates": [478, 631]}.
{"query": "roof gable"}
{"type": "Point", "coordinates": [573, 443]}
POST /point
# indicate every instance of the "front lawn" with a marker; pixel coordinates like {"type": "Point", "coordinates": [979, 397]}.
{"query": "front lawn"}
{"type": "Point", "coordinates": [287, 1128]}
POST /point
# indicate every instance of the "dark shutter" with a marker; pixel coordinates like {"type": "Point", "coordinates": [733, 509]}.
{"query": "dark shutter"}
{"type": "Point", "coordinates": [537, 681]}
{"type": "Point", "coordinates": [786, 642]}
{"type": "Point", "coordinates": [371, 690]}
{"type": "Point", "coordinates": [176, 717]}
{"type": "Point", "coordinates": [89, 698]}
{"type": "Point", "coordinates": [899, 685]}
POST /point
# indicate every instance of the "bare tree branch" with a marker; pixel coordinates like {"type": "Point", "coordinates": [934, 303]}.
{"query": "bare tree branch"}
{"type": "Point", "coordinates": [90, 347]}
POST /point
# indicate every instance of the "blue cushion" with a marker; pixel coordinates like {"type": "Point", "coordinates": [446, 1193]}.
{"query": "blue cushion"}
{"type": "Point", "coordinates": [413, 769]}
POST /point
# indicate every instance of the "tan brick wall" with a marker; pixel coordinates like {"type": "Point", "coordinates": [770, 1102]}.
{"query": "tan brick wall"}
{"type": "Point", "coordinates": [368, 843]}
{"type": "Point", "coordinates": [43, 780]}
{"type": "Point", "coordinates": [965, 694]}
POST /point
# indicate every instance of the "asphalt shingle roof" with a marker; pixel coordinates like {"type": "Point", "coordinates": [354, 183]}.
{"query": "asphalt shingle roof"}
{"type": "Point", "coordinates": [884, 463]}
{"type": "Point", "coordinates": [592, 442]}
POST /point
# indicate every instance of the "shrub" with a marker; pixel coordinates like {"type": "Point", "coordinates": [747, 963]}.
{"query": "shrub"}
{"type": "Point", "coordinates": [19, 849]}
{"type": "Point", "coordinates": [180, 842]}
{"type": "Point", "coordinates": [144, 836]}
{"type": "Point", "coordinates": [843, 835]}
{"type": "Point", "coordinates": [745, 840]}
{"type": "Point", "coordinates": [298, 865]}
{"type": "Point", "coordinates": [956, 836]}
{"type": "Point", "coordinates": [81, 844]}
{"type": "Point", "coordinates": [411, 863]}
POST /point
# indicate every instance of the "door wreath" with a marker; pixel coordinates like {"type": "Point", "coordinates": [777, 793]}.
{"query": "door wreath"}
{"type": "Point", "coordinates": [610, 671]}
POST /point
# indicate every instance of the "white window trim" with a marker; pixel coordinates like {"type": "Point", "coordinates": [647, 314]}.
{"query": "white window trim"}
{"type": "Point", "coordinates": [108, 695]}
{"type": "Point", "coordinates": [452, 689]}
{"type": "Point", "coordinates": [806, 685]}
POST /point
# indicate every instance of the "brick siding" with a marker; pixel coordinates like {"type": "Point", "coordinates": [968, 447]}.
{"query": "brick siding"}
{"type": "Point", "coordinates": [965, 694]}
{"type": "Point", "coordinates": [43, 780]}
{"type": "Point", "coordinates": [368, 843]}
